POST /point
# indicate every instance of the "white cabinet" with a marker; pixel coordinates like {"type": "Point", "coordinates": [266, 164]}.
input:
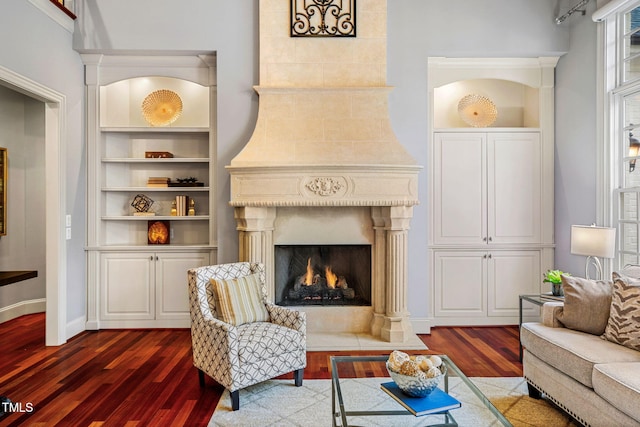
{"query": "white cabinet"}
{"type": "Point", "coordinates": [491, 212]}
{"type": "Point", "coordinates": [488, 187]}
{"type": "Point", "coordinates": [146, 289]}
{"type": "Point", "coordinates": [483, 286]}
{"type": "Point", "coordinates": [150, 135]}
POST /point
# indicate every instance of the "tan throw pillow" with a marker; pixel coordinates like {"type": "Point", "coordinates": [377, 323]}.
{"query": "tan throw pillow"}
{"type": "Point", "coordinates": [239, 301]}
{"type": "Point", "coordinates": [624, 319]}
{"type": "Point", "coordinates": [586, 304]}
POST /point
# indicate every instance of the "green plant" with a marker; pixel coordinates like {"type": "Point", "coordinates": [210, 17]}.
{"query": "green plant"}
{"type": "Point", "coordinates": [553, 276]}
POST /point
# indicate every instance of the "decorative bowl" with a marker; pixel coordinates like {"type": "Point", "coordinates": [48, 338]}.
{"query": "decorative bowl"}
{"type": "Point", "coordinates": [477, 111]}
{"type": "Point", "coordinates": [416, 386]}
{"type": "Point", "coordinates": [162, 107]}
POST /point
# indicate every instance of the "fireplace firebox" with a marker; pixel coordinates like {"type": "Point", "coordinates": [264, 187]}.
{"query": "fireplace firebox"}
{"type": "Point", "coordinates": [323, 275]}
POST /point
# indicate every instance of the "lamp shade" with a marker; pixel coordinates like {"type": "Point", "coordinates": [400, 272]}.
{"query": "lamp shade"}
{"type": "Point", "coordinates": [593, 241]}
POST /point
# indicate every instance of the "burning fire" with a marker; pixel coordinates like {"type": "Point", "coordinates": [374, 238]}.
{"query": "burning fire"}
{"type": "Point", "coordinates": [308, 277]}
{"type": "Point", "coordinates": [332, 279]}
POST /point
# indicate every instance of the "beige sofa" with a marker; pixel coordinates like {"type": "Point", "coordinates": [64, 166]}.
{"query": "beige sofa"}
{"type": "Point", "coordinates": [594, 380]}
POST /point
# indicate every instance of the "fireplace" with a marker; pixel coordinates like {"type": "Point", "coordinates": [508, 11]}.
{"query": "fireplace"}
{"type": "Point", "coordinates": [326, 275]}
{"type": "Point", "coordinates": [323, 141]}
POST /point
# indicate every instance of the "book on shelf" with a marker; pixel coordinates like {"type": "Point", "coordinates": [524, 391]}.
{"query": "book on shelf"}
{"type": "Point", "coordinates": [158, 181]}
{"type": "Point", "coordinates": [182, 205]}
{"type": "Point", "coordinates": [434, 403]}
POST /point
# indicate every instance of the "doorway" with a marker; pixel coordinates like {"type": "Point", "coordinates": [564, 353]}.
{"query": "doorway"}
{"type": "Point", "coordinates": [55, 178]}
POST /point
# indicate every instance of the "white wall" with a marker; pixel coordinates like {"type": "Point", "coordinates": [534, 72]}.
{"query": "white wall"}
{"type": "Point", "coordinates": [576, 151]}
{"type": "Point", "coordinates": [36, 47]}
{"type": "Point", "coordinates": [416, 30]}
{"type": "Point", "coordinates": [22, 134]}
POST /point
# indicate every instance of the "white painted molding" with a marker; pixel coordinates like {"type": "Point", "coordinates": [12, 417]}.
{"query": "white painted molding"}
{"type": "Point", "coordinates": [610, 8]}
{"type": "Point", "coordinates": [54, 13]}
{"type": "Point", "coordinates": [76, 326]}
{"type": "Point", "coordinates": [21, 308]}
{"type": "Point", "coordinates": [421, 325]}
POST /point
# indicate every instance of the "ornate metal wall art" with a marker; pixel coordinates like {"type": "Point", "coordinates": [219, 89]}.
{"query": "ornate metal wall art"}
{"type": "Point", "coordinates": [323, 18]}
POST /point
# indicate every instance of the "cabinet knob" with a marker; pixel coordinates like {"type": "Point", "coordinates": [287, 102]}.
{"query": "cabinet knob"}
{"type": "Point", "coordinates": [490, 239]}
{"type": "Point", "coordinates": [489, 256]}
{"type": "Point", "coordinates": [484, 239]}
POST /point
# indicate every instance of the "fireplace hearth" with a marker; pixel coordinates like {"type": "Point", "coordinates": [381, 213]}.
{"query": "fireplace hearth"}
{"type": "Point", "coordinates": [332, 275]}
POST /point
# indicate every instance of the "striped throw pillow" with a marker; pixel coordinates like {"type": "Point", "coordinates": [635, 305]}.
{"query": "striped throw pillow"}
{"type": "Point", "coordinates": [624, 318]}
{"type": "Point", "coordinates": [239, 300]}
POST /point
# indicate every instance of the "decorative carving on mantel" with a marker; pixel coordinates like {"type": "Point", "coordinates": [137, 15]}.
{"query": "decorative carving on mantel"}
{"type": "Point", "coordinates": [325, 186]}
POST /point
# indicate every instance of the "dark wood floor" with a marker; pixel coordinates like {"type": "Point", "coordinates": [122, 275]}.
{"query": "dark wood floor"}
{"type": "Point", "coordinates": [145, 377]}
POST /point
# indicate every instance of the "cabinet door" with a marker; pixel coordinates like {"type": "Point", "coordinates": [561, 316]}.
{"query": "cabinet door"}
{"type": "Point", "coordinates": [460, 211]}
{"type": "Point", "coordinates": [510, 274]}
{"type": "Point", "coordinates": [172, 296]}
{"type": "Point", "coordinates": [514, 187]}
{"type": "Point", "coordinates": [126, 284]}
{"type": "Point", "coordinates": [460, 283]}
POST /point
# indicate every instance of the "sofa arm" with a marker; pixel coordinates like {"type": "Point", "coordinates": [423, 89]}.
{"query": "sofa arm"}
{"type": "Point", "coordinates": [549, 314]}
{"type": "Point", "coordinates": [284, 316]}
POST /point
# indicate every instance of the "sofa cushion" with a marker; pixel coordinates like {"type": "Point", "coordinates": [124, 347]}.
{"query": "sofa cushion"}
{"type": "Point", "coordinates": [263, 340]}
{"type": "Point", "coordinates": [586, 304]}
{"type": "Point", "coordinates": [623, 326]}
{"type": "Point", "coordinates": [619, 384]}
{"type": "Point", "coordinates": [572, 352]}
{"type": "Point", "coordinates": [239, 300]}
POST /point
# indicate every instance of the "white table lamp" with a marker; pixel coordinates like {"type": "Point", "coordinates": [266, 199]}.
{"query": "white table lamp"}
{"type": "Point", "coordinates": [593, 242]}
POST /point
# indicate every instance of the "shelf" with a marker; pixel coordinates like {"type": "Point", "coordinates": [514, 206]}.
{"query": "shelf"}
{"type": "Point", "coordinates": [155, 129]}
{"type": "Point", "coordinates": [152, 248]}
{"type": "Point", "coordinates": [156, 189]}
{"type": "Point", "coordinates": [155, 217]}
{"type": "Point", "coordinates": [156, 160]}
{"type": "Point", "coordinates": [489, 129]}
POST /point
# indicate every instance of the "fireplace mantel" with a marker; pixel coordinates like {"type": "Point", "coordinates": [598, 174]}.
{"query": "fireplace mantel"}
{"type": "Point", "coordinates": [336, 185]}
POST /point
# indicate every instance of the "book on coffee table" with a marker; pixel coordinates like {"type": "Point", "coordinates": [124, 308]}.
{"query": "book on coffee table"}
{"type": "Point", "coordinates": [435, 402]}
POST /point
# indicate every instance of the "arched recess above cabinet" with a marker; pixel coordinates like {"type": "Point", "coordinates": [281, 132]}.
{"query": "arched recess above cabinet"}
{"type": "Point", "coordinates": [520, 88]}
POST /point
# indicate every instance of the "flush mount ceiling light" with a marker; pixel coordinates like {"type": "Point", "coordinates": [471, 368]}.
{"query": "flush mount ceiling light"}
{"type": "Point", "coordinates": [323, 18]}
{"type": "Point", "coordinates": [477, 111]}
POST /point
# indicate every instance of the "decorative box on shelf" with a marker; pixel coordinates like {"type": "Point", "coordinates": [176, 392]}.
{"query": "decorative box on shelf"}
{"type": "Point", "coordinates": [158, 155]}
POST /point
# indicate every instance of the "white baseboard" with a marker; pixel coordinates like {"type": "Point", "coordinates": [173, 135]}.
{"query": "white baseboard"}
{"type": "Point", "coordinates": [421, 325]}
{"type": "Point", "coordinates": [75, 327]}
{"type": "Point", "coordinates": [21, 308]}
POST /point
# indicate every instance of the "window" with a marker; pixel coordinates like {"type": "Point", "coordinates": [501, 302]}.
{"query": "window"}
{"type": "Point", "coordinates": [622, 65]}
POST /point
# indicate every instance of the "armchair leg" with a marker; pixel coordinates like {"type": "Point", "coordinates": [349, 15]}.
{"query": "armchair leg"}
{"type": "Point", "coordinates": [201, 377]}
{"type": "Point", "coordinates": [235, 400]}
{"type": "Point", "coordinates": [297, 376]}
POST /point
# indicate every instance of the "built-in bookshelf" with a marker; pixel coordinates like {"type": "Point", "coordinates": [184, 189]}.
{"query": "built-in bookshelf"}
{"type": "Point", "coordinates": [151, 181]}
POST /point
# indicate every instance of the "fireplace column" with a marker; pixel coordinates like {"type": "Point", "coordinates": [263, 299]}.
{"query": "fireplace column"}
{"type": "Point", "coordinates": [255, 239]}
{"type": "Point", "coordinates": [391, 317]}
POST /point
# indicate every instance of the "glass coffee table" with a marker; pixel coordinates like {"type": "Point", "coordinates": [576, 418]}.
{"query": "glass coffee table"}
{"type": "Point", "coordinates": [356, 396]}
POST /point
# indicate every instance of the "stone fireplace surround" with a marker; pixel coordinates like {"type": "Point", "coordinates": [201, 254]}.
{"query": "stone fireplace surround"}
{"type": "Point", "coordinates": [323, 165]}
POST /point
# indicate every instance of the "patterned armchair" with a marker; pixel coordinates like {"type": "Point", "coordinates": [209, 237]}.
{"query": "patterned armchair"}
{"type": "Point", "coordinates": [240, 356]}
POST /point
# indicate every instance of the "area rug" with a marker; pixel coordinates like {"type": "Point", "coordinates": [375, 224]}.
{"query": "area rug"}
{"type": "Point", "coordinates": [280, 403]}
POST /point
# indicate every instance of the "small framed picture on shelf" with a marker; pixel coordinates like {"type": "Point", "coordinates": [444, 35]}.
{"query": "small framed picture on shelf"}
{"type": "Point", "coordinates": [158, 232]}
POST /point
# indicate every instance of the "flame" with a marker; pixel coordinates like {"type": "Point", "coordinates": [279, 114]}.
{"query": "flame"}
{"type": "Point", "coordinates": [332, 279]}
{"type": "Point", "coordinates": [308, 277]}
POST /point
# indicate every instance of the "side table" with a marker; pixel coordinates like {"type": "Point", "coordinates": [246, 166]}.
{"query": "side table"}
{"type": "Point", "coordinates": [537, 299]}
